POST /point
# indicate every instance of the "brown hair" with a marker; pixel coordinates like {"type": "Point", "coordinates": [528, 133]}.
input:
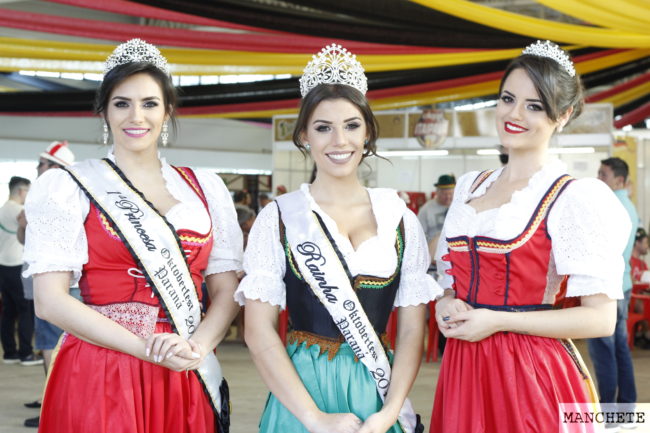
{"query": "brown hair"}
{"type": "Point", "coordinates": [324, 92]}
{"type": "Point", "coordinates": [121, 72]}
{"type": "Point", "coordinates": [558, 90]}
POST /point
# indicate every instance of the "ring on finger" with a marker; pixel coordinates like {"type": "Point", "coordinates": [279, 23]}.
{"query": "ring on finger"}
{"type": "Point", "coordinates": [445, 318]}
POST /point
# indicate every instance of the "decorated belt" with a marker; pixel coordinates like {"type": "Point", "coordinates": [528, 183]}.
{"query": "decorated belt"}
{"type": "Point", "coordinates": [137, 317]}
{"type": "Point", "coordinates": [512, 308]}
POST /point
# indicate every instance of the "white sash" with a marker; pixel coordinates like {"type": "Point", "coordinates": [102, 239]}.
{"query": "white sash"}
{"type": "Point", "coordinates": [154, 245]}
{"type": "Point", "coordinates": [323, 271]}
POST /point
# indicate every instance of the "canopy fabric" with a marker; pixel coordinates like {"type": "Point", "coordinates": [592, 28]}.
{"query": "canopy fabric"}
{"type": "Point", "coordinates": [539, 28]}
{"type": "Point", "coordinates": [417, 52]}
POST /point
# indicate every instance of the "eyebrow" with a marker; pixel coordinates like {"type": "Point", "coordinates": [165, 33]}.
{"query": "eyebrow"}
{"type": "Point", "coordinates": [344, 121]}
{"type": "Point", "coordinates": [124, 98]}
{"type": "Point", "coordinates": [529, 99]}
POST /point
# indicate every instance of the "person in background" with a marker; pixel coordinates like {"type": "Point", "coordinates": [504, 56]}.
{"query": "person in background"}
{"type": "Point", "coordinates": [245, 219]}
{"type": "Point", "coordinates": [511, 238]}
{"type": "Point", "coordinates": [611, 354]}
{"type": "Point", "coordinates": [279, 190]}
{"type": "Point", "coordinates": [637, 262]}
{"type": "Point", "coordinates": [15, 308]}
{"type": "Point", "coordinates": [339, 257]}
{"type": "Point", "coordinates": [242, 199]}
{"type": "Point", "coordinates": [264, 200]}
{"type": "Point", "coordinates": [503, 155]}
{"type": "Point", "coordinates": [432, 214]}
{"type": "Point", "coordinates": [56, 155]}
{"type": "Point", "coordinates": [640, 275]}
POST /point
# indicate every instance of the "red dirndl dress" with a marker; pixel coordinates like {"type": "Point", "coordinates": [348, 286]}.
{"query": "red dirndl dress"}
{"type": "Point", "coordinates": [98, 390]}
{"type": "Point", "coordinates": [509, 382]}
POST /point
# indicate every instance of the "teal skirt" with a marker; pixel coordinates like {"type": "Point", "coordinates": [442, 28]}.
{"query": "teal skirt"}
{"type": "Point", "coordinates": [340, 385]}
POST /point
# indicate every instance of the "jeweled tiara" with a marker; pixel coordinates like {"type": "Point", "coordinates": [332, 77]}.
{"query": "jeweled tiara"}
{"type": "Point", "coordinates": [136, 50]}
{"type": "Point", "coordinates": [333, 65]}
{"type": "Point", "coordinates": [552, 51]}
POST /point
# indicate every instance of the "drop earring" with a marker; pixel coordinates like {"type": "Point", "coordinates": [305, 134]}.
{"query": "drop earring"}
{"type": "Point", "coordinates": [307, 147]}
{"type": "Point", "coordinates": [105, 134]}
{"type": "Point", "coordinates": [164, 135]}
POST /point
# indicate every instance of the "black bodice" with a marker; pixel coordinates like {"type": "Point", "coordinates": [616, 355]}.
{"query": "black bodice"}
{"type": "Point", "coordinates": [376, 295]}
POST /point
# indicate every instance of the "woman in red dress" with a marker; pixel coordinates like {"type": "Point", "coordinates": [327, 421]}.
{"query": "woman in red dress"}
{"type": "Point", "coordinates": [122, 365]}
{"type": "Point", "coordinates": [510, 239]}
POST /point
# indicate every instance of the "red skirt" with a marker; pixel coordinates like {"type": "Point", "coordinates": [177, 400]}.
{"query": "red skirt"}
{"type": "Point", "coordinates": [509, 383]}
{"type": "Point", "coordinates": [98, 390]}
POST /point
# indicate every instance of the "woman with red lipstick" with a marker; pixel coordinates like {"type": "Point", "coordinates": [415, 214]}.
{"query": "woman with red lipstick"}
{"type": "Point", "coordinates": [340, 257]}
{"type": "Point", "coordinates": [139, 235]}
{"type": "Point", "coordinates": [510, 239]}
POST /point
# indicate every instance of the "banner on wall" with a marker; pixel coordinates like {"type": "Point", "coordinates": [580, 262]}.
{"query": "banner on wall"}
{"type": "Point", "coordinates": [431, 129]}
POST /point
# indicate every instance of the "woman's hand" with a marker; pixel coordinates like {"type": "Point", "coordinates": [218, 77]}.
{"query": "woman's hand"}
{"type": "Point", "coordinates": [334, 423]}
{"type": "Point", "coordinates": [446, 308]}
{"type": "Point", "coordinates": [473, 325]}
{"type": "Point", "coordinates": [379, 422]}
{"type": "Point", "coordinates": [164, 347]}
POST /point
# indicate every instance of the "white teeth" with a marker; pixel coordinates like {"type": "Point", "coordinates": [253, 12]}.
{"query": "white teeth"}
{"type": "Point", "coordinates": [136, 131]}
{"type": "Point", "coordinates": [515, 128]}
{"type": "Point", "coordinates": [339, 156]}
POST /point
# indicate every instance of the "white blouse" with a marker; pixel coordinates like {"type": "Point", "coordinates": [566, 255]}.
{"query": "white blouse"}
{"type": "Point", "coordinates": [588, 226]}
{"type": "Point", "coordinates": [56, 210]}
{"type": "Point", "coordinates": [264, 259]}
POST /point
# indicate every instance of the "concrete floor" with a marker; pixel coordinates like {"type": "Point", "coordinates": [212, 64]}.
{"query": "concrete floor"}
{"type": "Point", "coordinates": [20, 384]}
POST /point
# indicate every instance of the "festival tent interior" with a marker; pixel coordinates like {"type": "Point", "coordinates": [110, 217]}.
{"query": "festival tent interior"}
{"type": "Point", "coordinates": [432, 66]}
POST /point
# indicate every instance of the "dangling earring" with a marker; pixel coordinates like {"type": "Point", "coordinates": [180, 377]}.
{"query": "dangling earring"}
{"type": "Point", "coordinates": [105, 134]}
{"type": "Point", "coordinates": [365, 143]}
{"type": "Point", "coordinates": [164, 135]}
{"type": "Point", "coordinates": [307, 147]}
{"type": "Point", "coordinates": [560, 128]}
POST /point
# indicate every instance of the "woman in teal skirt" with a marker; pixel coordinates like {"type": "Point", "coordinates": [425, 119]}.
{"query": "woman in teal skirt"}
{"type": "Point", "coordinates": [339, 257]}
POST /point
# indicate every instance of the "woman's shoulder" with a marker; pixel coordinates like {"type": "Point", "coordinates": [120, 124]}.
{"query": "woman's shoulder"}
{"type": "Point", "coordinates": [588, 190]}
{"type": "Point", "coordinates": [55, 181]}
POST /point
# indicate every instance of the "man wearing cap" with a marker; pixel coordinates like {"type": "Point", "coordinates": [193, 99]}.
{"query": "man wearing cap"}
{"type": "Point", "coordinates": [57, 155]}
{"type": "Point", "coordinates": [432, 214]}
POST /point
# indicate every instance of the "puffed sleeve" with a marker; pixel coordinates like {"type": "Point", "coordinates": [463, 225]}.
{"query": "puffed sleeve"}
{"type": "Point", "coordinates": [415, 286]}
{"type": "Point", "coordinates": [589, 229]}
{"type": "Point", "coordinates": [264, 261]}
{"type": "Point", "coordinates": [226, 254]}
{"type": "Point", "coordinates": [55, 239]}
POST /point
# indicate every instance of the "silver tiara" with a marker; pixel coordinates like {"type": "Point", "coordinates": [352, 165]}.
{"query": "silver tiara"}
{"type": "Point", "coordinates": [333, 65]}
{"type": "Point", "coordinates": [136, 50]}
{"type": "Point", "coordinates": [552, 51]}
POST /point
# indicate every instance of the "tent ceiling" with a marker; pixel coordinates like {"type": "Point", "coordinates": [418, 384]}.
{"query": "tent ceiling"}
{"type": "Point", "coordinates": [376, 28]}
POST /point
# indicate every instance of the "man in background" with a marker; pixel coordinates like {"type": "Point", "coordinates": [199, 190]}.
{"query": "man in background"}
{"type": "Point", "coordinates": [16, 309]}
{"type": "Point", "coordinates": [432, 214]}
{"type": "Point", "coordinates": [611, 355]}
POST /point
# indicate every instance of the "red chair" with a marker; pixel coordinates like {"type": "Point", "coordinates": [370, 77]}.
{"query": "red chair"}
{"type": "Point", "coordinates": [432, 339]}
{"type": "Point", "coordinates": [283, 324]}
{"type": "Point", "coordinates": [632, 317]}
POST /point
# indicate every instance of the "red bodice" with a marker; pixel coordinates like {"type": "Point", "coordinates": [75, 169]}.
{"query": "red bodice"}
{"type": "Point", "coordinates": [111, 274]}
{"type": "Point", "coordinates": [509, 274]}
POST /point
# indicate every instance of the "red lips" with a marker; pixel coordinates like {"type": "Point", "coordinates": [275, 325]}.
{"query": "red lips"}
{"type": "Point", "coordinates": [513, 128]}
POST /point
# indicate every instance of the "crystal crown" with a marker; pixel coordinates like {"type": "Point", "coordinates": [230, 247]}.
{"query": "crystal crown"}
{"type": "Point", "coordinates": [136, 50]}
{"type": "Point", "coordinates": [552, 51]}
{"type": "Point", "coordinates": [333, 65]}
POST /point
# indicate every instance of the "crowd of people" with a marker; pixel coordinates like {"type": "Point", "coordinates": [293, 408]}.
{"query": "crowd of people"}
{"type": "Point", "coordinates": [139, 267]}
